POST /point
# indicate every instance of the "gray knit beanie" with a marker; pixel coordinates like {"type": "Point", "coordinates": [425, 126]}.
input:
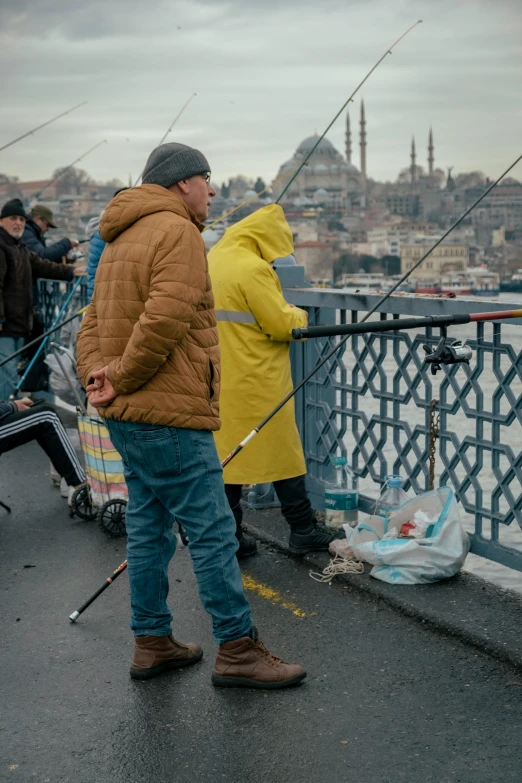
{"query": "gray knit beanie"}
{"type": "Point", "coordinates": [173, 162]}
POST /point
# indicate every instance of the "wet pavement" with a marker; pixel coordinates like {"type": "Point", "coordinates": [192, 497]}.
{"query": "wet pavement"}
{"type": "Point", "coordinates": [385, 699]}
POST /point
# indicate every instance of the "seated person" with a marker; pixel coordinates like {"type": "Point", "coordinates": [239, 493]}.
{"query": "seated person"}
{"type": "Point", "coordinates": [21, 422]}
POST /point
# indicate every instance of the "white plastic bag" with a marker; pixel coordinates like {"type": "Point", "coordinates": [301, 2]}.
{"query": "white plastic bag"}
{"type": "Point", "coordinates": [60, 385]}
{"type": "Point", "coordinates": [409, 561]}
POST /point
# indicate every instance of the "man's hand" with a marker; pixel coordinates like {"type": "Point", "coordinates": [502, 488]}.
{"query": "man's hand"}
{"type": "Point", "coordinates": [79, 271]}
{"type": "Point", "coordinates": [100, 392]}
{"type": "Point", "coordinates": [23, 404]}
{"type": "Point", "coordinates": [74, 243]}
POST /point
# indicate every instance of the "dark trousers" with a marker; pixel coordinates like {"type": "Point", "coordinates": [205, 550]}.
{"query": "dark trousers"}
{"type": "Point", "coordinates": [295, 506]}
{"type": "Point", "coordinates": [42, 424]}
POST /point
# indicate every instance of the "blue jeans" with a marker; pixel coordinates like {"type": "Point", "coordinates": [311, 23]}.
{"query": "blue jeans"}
{"type": "Point", "coordinates": [175, 473]}
{"type": "Point", "coordinates": [8, 373]}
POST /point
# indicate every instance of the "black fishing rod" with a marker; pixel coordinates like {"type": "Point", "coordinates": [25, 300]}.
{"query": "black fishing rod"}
{"type": "Point", "coordinates": [445, 353]}
{"type": "Point", "coordinates": [440, 321]}
{"type": "Point", "coordinates": [65, 170]}
{"type": "Point", "coordinates": [343, 107]}
{"type": "Point", "coordinates": [39, 127]}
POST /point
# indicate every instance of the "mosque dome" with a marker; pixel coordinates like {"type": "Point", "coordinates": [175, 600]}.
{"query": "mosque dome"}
{"type": "Point", "coordinates": [320, 194]}
{"type": "Point", "coordinates": [325, 166]}
{"type": "Point", "coordinates": [325, 148]}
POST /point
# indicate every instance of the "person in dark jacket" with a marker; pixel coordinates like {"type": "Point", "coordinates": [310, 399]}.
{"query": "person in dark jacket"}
{"type": "Point", "coordinates": [36, 226]}
{"type": "Point", "coordinates": [19, 267]}
{"type": "Point", "coordinates": [22, 422]}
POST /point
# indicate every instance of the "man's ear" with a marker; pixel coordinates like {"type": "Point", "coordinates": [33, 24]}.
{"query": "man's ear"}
{"type": "Point", "coordinates": [183, 186]}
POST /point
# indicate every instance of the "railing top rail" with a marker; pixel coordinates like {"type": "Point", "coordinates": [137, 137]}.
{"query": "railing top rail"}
{"type": "Point", "coordinates": [407, 304]}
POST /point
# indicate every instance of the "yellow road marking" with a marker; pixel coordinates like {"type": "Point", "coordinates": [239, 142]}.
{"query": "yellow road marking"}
{"type": "Point", "coordinates": [274, 596]}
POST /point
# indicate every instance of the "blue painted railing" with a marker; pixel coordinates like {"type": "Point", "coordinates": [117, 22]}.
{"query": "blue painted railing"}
{"type": "Point", "coordinates": [372, 402]}
{"type": "Point", "coordinates": [51, 296]}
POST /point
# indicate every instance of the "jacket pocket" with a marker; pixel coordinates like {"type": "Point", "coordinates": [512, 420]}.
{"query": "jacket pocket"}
{"type": "Point", "coordinates": [214, 379]}
{"type": "Point", "coordinates": [158, 450]}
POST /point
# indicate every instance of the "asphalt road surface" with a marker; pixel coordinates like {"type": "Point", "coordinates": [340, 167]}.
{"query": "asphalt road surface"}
{"type": "Point", "coordinates": [385, 701]}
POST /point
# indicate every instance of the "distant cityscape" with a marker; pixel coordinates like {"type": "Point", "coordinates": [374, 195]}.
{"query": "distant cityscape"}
{"type": "Point", "coordinates": [349, 229]}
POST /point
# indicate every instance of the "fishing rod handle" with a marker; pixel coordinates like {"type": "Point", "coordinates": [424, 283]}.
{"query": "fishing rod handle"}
{"type": "Point", "coordinates": [392, 325]}
{"type": "Point", "coordinates": [74, 616]}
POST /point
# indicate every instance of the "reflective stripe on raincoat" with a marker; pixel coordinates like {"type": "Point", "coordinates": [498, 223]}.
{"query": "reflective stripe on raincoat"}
{"type": "Point", "coordinates": [255, 324]}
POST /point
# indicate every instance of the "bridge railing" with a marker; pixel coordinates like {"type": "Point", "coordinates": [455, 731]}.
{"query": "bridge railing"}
{"type": "Point", "coordinates": [373, 403]}
{"type": "Point", "coordinates": [52, 295]}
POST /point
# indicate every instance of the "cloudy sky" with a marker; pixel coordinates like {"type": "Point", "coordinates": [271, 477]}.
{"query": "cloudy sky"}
{"type": "Point", "coordinates": [267, 73]}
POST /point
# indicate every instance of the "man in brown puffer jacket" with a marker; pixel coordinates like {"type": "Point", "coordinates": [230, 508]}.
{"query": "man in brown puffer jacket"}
{"type": "Point", "coordinates": [148, 356]}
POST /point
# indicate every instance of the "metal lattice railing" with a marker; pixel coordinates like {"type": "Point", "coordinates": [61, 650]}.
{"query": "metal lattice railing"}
{"type": "Point", "coordinates": [52, 295]}
{"type": "Point", "coordinates": [373, 402]}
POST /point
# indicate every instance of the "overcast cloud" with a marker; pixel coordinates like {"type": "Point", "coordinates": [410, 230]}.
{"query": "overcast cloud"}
{"type": "Point", "coordinates": [267, 73]}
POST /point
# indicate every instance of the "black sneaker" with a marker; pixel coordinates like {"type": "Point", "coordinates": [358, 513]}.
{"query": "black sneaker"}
{"type": "Point", "coordinates": [314, 539]}
{"type": "Point", "coordinates": [247, 547]}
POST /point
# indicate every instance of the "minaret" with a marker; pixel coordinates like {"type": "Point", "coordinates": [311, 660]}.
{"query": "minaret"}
{"type": "Point", "coordinates": [348, 138]}
{"type": "Point", "coordinates": [431, 154]}
{"type": "Point", "coordinates": [413, 160]}
{"type": "Point", "coordinates": [363, 144]}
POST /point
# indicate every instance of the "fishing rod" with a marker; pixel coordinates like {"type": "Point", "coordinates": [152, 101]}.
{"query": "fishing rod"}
{"type": "Point", "coordinates": [436, 358]}
{"type": "Point", "coordinates": [343, 107]}
{"type": "Point", "coordinates": [29, 133]}
{"type": "Point", "coordinates": [445, 353]}
{"type": "Point", "coordinates": [174, 121]}
{"type": "Point", "coordinates": [36, 340]}
{"type": "Point", "coordinates": [65, 170]}
{"type": "Point", "coordinates": [441, 321]}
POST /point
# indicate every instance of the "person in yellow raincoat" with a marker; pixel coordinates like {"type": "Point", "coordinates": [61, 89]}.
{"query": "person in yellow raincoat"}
{"type": "Point", "coordinates": [255, 324]}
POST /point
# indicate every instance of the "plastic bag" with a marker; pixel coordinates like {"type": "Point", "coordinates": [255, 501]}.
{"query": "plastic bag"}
{"type": "Point", "coordinates": [59, 384]}
{"type": "Point", "coordinates": [439, 555]}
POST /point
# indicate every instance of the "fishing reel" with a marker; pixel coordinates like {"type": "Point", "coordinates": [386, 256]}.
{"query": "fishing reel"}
{"type": "Point", "coordinates": [454, 352]}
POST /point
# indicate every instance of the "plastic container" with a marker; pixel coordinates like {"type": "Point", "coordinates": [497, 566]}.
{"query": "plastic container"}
{"type": "Point", "coordinates": [341, 497]}
{"type": "Point", "coordinates": [392, 497]}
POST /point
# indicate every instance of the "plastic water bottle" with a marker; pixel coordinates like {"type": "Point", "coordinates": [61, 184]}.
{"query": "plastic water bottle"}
{"type": "Point", "coordinates": [341, 498]}
{"type": "Point", "coordinates": [392, 497]}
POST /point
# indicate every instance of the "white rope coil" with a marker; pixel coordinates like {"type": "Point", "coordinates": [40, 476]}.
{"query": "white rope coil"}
{"type": "Point", "coordinates": [339, 565]}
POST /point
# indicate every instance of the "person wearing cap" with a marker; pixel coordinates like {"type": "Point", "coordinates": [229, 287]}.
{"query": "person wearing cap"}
{"type": "Point", "coordinates": [36, 226]}
{"type": "Point", "coordinates": [19, 267]}
{"type": "Point", "coordinates": [148, 357]}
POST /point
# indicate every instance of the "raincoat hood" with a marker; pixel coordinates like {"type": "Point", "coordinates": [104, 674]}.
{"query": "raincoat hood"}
{"type": "Point", "coordinates": [131, 205]}
{"type": "Point", "coordinates": [265, 233]}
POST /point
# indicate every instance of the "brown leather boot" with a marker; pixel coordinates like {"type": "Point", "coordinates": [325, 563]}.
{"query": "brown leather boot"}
{"type": "Point", "coordinates": [246, 663]}
{"type": "Point", "coordinates": [156, 654]}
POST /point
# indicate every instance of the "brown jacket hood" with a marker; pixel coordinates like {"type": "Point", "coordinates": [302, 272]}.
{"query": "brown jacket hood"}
{"type": "Point", "coordinates": [131, 205]}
